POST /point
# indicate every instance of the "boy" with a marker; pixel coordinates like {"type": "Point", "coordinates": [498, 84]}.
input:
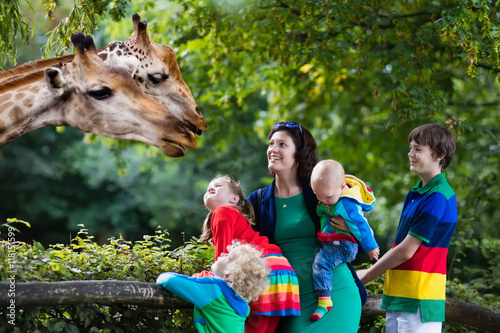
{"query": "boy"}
{"type": "Point", "coordinates": [415, 283]}
{"type": "Point", "coordinates": [346, 196]}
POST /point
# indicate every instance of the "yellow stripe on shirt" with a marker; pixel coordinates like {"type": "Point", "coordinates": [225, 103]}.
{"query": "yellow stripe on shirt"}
{"type": "Point", "coordinates": [414, 284]}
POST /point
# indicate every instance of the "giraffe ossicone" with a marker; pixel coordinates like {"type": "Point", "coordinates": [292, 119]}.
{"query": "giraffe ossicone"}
{"type": "Point", "coordinates": [91, 96]}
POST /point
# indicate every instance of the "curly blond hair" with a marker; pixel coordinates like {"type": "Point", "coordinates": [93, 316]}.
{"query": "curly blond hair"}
{"type": "Point", "coordinates": [243, 269]}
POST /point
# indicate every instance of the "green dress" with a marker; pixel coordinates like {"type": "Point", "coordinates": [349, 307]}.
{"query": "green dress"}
{"type": "Point", "coordinates": [296, 236]}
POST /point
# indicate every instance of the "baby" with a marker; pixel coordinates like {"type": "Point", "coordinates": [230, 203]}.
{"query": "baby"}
{"type": "Point", "coordinates": [346, 196]}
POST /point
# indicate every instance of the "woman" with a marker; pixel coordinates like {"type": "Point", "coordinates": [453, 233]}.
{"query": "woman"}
{"type": "Point", "coordinates": [286, 214]}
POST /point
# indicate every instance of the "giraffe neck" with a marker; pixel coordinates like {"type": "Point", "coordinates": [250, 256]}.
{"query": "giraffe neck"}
{"type": "Point", "coordinates": [26, 106]}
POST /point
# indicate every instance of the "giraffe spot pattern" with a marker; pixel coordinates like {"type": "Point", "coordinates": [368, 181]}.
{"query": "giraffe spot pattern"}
{"type": "Point", "coordinates": [6, 105]}
{"type": "Point", "coordinates": [16, 114]}
{"type": "Point", "coordinates": [5, 97]}
{"type": "Point", "coordinates": [28, 102]}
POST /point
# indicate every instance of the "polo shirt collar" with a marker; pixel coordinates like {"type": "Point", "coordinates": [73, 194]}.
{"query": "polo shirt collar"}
{"type": "Point", "coordinates": [430, 185]}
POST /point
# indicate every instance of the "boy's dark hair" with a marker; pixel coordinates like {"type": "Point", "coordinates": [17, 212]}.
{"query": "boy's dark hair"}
{"type": "Point", "coordinates": [438, 138]}
{"type": "Point", "coordinates": [306, 153]}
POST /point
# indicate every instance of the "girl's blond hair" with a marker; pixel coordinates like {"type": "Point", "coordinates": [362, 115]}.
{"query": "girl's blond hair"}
{"type": "Point", "coordinates": [243, 206]}
{"type": "Point", "coordinates": [245, 271]}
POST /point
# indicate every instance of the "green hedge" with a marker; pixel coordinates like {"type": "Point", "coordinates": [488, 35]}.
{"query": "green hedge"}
{"type": "Point", "coordinates": [83, 259]}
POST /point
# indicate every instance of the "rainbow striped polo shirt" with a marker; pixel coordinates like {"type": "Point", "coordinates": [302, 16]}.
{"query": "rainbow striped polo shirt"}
{"type": "Point", "coordinates": [430, 214]}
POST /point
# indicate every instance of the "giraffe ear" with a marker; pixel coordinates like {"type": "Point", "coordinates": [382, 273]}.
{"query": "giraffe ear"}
{"type": "Point", "coordinates": [55, 80]}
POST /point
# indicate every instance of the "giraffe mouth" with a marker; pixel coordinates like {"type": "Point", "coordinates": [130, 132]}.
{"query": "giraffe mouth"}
{"type": "Point", "coordinates": [172, 149]}
{"type": "Point", "coordinates": [174, 142]}
{"type": "Point", "coordinates": [193, 128]}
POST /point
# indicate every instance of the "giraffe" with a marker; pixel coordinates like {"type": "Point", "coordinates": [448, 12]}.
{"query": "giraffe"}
{"type": "Point", "coordinates": [90, 96]}
{"type": "Point", "coordinates": [155, 69]}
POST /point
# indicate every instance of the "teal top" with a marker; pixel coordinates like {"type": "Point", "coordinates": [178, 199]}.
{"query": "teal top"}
{"type": "Point", "coordinates": [296, 236]}
{"type": "Point", "coordinates": [217, 307]}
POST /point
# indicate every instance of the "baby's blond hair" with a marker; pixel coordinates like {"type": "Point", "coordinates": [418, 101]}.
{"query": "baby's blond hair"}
{"type": "Point", "coordinates": [325, 170]}
{"type": "Point", "coordinates": [245, 271]}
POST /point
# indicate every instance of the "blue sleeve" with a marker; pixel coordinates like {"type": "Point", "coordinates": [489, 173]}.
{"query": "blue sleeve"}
{"type": "Point", "coordinates": [353, 215]}
{"type": "Point", "coordinates": [199, 291]}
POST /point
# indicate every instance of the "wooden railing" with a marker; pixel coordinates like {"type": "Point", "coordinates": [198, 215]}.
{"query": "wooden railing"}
{"type": "Point", "coordinates": [31, 294]}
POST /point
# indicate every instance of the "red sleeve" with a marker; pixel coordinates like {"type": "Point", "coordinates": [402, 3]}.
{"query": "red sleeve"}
{"type": "Point", "coordinates": [223, 223]}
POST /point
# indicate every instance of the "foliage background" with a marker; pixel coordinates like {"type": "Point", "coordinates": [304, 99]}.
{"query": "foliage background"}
{"type": "Point", "coordinates": [359, 74]}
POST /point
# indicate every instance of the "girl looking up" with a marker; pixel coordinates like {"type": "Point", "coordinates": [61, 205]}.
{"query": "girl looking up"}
{"type": "Point", "coordinates": [230, 218]}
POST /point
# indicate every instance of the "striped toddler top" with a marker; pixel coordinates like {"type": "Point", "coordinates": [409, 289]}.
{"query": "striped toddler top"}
{"type": "Point", "coordinates": [430, 214]}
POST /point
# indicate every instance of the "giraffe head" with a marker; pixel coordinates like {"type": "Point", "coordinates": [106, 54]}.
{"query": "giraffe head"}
{"type": "Point", "coordinates": [154, 67]}
{"type": "Point", "coordinates": [106, 101]}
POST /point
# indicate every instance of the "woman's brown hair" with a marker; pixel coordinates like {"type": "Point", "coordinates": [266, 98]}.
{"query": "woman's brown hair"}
{"type": "Point", "coordinates": [306, 153]}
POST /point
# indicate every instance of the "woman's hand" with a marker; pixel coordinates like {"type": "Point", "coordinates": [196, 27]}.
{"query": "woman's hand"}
{"type": "Point", "coordinates": [339, 223]}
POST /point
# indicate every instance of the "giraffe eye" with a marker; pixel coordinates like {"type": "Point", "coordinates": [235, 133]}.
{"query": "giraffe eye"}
{"type": "Point", "coordinates": [157, 78]}
{"type": "Point", "coordinates": [101, 93]}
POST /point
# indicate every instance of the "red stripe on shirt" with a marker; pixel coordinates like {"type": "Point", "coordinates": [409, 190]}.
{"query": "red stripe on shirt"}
{"type": "Point", "coordinates": [426, 259]}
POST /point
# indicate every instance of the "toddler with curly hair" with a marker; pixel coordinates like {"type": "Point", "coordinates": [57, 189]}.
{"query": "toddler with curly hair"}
{"type": "Point", "coordinates": [221, 297]}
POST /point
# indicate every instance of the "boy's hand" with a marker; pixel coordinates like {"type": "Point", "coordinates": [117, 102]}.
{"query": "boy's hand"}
{"type": "Point", "coordinates": [373, 254]}
{"type": "Point", "coordinates": [361, 275]}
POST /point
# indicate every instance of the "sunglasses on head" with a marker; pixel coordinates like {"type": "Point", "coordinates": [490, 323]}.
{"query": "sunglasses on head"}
{"type": "Point", "coordinates": [288, 124]}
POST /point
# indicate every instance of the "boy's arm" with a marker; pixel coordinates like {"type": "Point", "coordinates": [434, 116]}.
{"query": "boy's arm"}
{"type": "Point", "coordinates": [393, 258]}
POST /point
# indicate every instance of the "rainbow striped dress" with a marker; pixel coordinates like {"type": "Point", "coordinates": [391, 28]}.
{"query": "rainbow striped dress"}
{"type": "Point", "coordinates": [430, 214]}
{"type": "Point", "coordinates": [282, 298]}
